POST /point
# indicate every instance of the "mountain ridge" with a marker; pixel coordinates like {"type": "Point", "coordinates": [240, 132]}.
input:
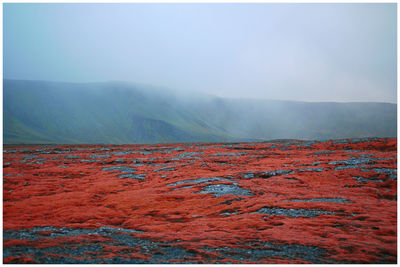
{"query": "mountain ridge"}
{"type": "Point", "coordinates": [51, 112]}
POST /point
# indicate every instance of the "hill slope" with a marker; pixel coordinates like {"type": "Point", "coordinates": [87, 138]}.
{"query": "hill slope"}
{"type": "Point", "coordinates": [118, 113]}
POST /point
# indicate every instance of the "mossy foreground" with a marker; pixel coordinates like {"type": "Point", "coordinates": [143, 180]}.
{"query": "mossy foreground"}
{"type": "Point", "coordinates": [284, 201]}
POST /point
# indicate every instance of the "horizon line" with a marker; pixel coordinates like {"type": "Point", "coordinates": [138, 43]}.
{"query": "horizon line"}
{"type": "Point", "coordinates": [191, 91]}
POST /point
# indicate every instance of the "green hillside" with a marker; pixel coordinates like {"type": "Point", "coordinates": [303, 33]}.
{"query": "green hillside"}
{"type": "Point", "coordinates": [122, 113]}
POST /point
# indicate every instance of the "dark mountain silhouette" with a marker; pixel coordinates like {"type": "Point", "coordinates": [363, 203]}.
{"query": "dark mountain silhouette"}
{"type": "Point", "coordinates": [122, 113]}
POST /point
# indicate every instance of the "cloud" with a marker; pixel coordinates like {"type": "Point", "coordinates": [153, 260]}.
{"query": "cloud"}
{"type": "Point", "coordinates": [308, 52]}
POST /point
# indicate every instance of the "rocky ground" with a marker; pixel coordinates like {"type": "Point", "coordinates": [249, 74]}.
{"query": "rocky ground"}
{"type": "Point", "coordinates": [283, 201]}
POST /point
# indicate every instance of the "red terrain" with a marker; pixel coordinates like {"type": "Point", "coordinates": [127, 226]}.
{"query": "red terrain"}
{"type": "Point", "coordinates": [282, 201]}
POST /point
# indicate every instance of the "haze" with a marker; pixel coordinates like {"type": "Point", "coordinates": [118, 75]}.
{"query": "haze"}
{"type": "Point", "coordinates": [302, 52]}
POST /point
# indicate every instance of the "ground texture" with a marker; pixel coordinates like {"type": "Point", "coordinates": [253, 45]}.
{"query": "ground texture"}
{"type": "Point", "coordinates": [283, 201]}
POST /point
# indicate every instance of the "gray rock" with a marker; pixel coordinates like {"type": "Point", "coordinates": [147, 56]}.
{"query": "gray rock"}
{"type": "Point", "coordinates": [225, 189]}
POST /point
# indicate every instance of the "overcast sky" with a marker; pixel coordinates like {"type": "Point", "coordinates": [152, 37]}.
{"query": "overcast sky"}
{"type": "Point", "coordinates": [306, 52]}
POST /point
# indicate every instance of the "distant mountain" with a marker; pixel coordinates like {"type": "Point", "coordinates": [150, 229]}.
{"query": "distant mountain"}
{"type": "Point", "coordinates": [121, 113]}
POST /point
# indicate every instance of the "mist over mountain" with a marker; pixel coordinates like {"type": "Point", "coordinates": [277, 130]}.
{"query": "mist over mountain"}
{"type": "Point", "coordinates": [125, 113]}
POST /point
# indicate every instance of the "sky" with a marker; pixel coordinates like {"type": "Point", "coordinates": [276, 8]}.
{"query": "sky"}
{"type": "Point", "coordinates": [302, 52]}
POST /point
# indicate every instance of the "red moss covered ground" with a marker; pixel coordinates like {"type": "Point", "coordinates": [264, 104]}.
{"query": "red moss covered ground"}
{"type": "Point", "coordinates": [273, 202]}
